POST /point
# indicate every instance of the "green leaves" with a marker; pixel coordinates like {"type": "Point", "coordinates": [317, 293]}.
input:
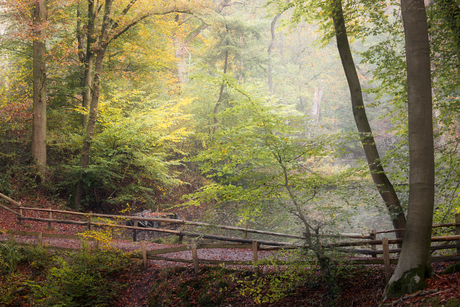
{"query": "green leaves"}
{"type": "Point", "coordinates": [86, 278]}
{"type": "Point", "coordinates": [133, 150]}
{"type": "Point", "coordinates": [9, 257]}
{"type": "Point", "coordinates": [260, 161]}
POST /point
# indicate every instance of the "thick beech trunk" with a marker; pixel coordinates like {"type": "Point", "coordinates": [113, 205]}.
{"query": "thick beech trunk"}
{"type": "Point", "coordinates": [379, 177]}
{"type": "Point", "coordinates": [39, 89]}
{"type": "Point", "coordinates": [414, 262]}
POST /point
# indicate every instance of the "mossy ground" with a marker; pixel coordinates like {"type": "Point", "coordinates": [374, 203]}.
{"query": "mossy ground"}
{"type": "Point", "coordinates": [411, 281]}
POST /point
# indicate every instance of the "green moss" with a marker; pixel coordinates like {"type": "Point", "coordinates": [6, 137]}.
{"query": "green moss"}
{"type": "Point", "coordinates": [411, 281]}
{"type": "Point", "coordinates": [435, 302]}
{"type": "Point", "coordinates": [452, 268]}
{"type": "Point", "coordinates": [432, 302]}
{"type": "Point", "coordinates": [453, 303]}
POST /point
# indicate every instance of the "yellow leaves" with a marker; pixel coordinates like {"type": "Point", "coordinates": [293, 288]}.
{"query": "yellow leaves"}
{"type": "Point", "coordinates": [80, 109]}
{"type": "Point", "coordinates": [126, 210]}
{"type": "Point", "coordinates": [103, 235]}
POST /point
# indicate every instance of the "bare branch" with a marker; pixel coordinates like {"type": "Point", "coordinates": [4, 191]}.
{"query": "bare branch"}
{"type": "Point", "coordinates": [128, 7]}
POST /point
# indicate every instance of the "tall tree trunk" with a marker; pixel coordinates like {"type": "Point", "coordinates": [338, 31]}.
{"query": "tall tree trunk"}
{"type": "Point", "coordinates": [221, 96]}
{"type": "Point", "coordinates": [181, 50]}
{"type": "Point", "coordinates": [89, 60]}
{"type": "Point", "coordinates": [414, 262]}
{"type": "Point", "coordinates": [39, 89]}
{"type": "Point", "coordinates": [379, 177]}
{"type": "Point", "coordinates": [95, 95]}
{"type": "Point", "coordinates": [270, 56]}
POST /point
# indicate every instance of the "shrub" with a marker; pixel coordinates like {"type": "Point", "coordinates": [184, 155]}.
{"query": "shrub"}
{"type": "Point", "coordinates": [13, 289]}
{"type": "Point", "coordinates": [38, 258]}
{"type": "Point", "coordinates": [9, 257]}
{"type": "Point", "coordinates": [86, 278]}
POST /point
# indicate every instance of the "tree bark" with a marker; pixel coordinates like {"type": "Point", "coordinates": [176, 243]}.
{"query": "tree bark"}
{"type": "Point", "coordinates": [39, 89]}
{"type": "Point", "coordinates": [270, 56]}
{"type": "Point", "coordinates": [95, 94]}
{"type": "Point", "coordinates": [379, 177]}
{"type": "Point", "coordinates": [89, 61]}
{"type": "Point", "coordinates": [414, 262]}
{"type": "Point", "coordinates": [221, 96]}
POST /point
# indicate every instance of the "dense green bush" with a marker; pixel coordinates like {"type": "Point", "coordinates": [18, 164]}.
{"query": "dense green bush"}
{"type": "Point", "coordinates": [87, 278]}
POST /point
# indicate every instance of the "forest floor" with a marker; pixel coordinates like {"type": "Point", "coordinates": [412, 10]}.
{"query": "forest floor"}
{"type": "Point", "coordinates": [172, 284]}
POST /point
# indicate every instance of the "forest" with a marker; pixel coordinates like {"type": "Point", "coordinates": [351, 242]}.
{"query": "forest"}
{"type": "Point", "coordinates": [304, 117]}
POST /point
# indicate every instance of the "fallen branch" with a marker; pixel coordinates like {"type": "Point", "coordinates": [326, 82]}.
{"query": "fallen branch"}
{"type": "Point", "coordinates": [409, 296]}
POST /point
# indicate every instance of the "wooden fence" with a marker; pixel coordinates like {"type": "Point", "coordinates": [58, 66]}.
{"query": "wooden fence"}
{"type": "Point", "coordinates": [90, 216]}
{"type": "Point", "coordinates": [145, 255]}
{"type": "Point", "coordinates": [369, 239]}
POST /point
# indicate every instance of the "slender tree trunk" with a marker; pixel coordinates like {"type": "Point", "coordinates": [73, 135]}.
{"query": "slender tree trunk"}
{"type": "Point", "coordinates": [379, 177]}
{"type": "Point", "coordinates": [89, 60]}
{"type": "Point", "coordinates": [221, 96]}
{"type": "Point", "coordinates": [39, 89]}
{"type": "Point", "coordinates": [94, 107]}
{"type": "Point", "coordinates": [270, 51]}
{"type": "Point", "coordinates": [316, 108]}
{"type": "Point", "coordinates": [180, 53]}
{"type": "Point", "coordinates": [181, 46]}
{"type": "Point", "coordinates": [414, 262]}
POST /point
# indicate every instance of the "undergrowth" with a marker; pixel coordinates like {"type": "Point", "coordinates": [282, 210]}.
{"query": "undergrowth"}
{"type": "Point", "coordinates": [34, 276]}
{"type": "Point", "coordinates": [222, 286]}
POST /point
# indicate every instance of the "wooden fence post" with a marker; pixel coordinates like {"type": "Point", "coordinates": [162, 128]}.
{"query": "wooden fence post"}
{"type": "Point", "coordinates": [136, 223]}
{"type": "Point", "coordinates": [89, 221]}
{"type": "Point", "coordinates": [181, 238]}
{"type": "Point", "coordinates": [195, 259]}
{"type": "Point", "coordinates": [144, 254]}
{"type": "Point", "coordinates": [50, 216]}
{"type": "Point", "coordinates": [256, 257]}
{"type": "Point", "coordinates": [386, 258]}
{"type": "Point", "coordinates": [373, 236]}
{"type": "Point", "coordinates": [40, 238]}
{"type": "Point", "coordinates": [457, 230]}
{"type": "Point", "coordinates": [20, 214]}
